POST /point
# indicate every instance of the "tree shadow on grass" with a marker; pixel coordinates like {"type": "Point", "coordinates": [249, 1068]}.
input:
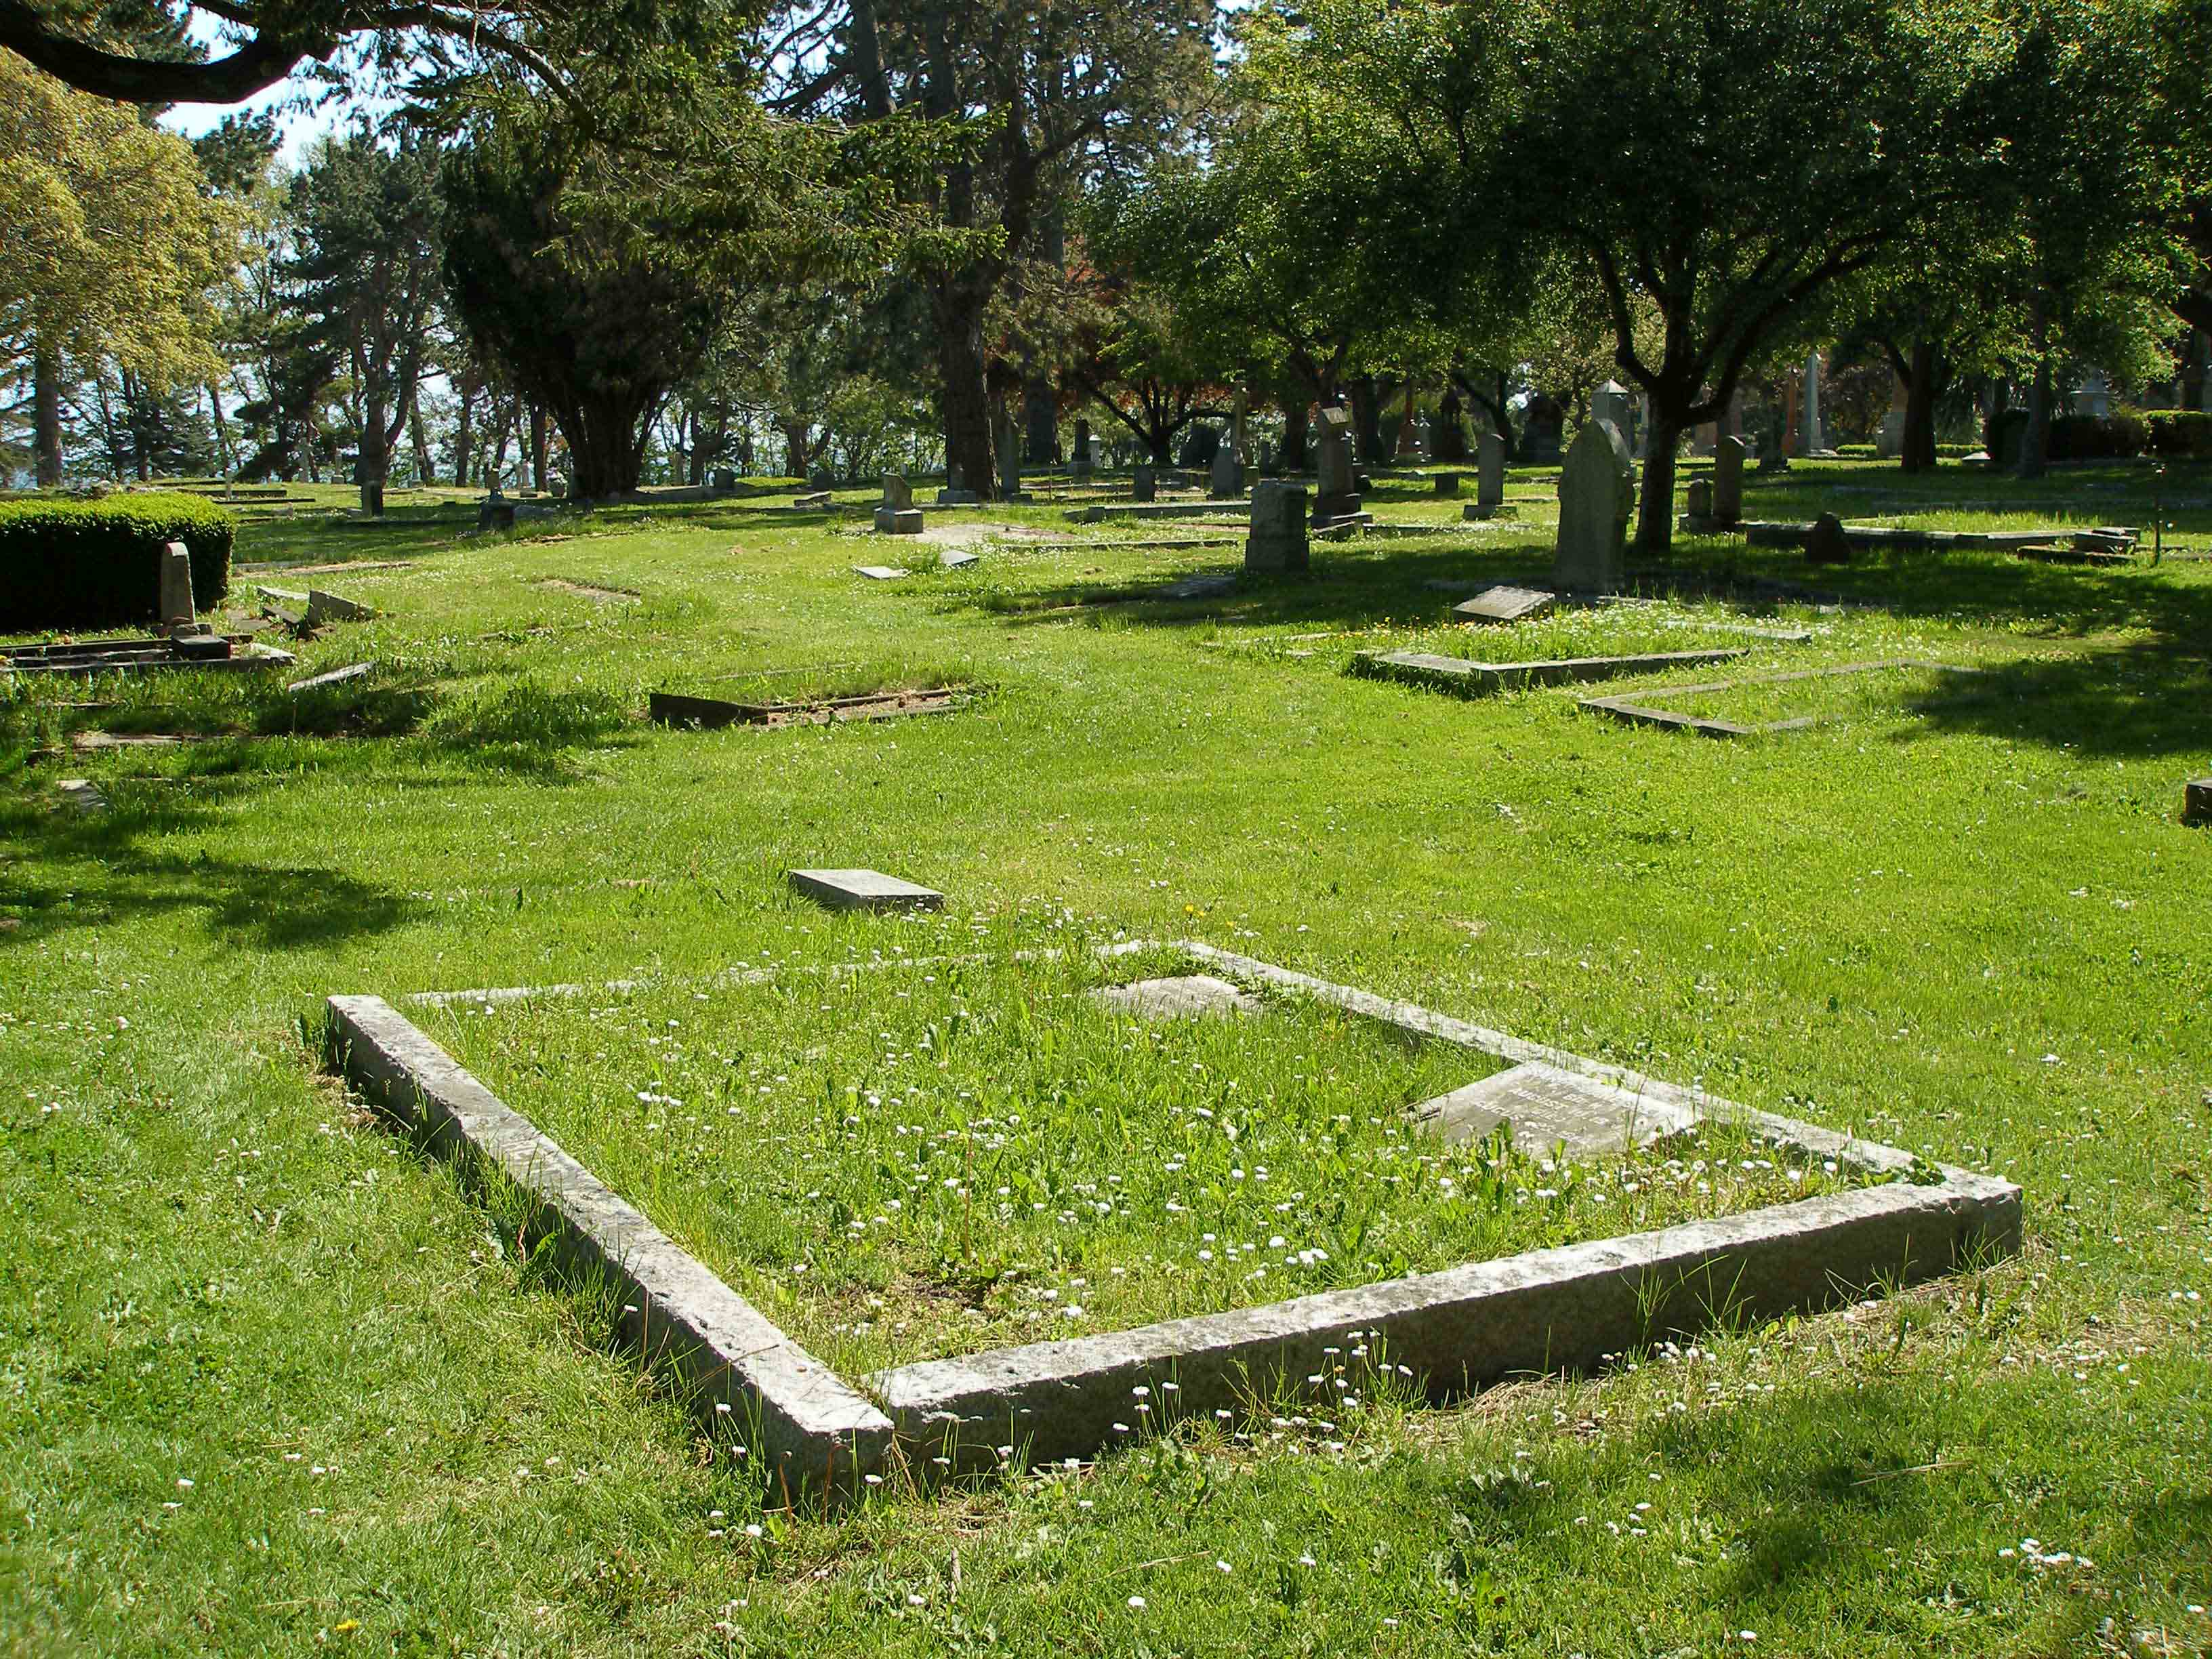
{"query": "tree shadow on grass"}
{"type": "Point", "coordinates": [93, 874]}
{"type": "Point", "coordinates": [2148, 699]}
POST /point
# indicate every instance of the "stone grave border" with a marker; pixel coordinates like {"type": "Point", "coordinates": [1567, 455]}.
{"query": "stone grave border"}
{"type": "Point", "coordinates": [1470, 679]}
{"type": "Point", "coordinates": [1627, 710]}
{"type": "Point", "coordinates": [1538, 1314]}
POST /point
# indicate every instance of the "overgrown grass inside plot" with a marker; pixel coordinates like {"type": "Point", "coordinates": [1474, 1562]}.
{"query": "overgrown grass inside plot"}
{"type": "Point", "coordinates": [920, 1161]}
{"type": "Point", "coordinates": [827, 681]}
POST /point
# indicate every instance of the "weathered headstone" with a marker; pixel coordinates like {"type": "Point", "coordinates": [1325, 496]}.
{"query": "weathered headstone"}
{"type": "Point", "coordinates": [1448, 484]}
{"type": "Point", "coordinates": [864, 890]}
{"type": "Point", "coordinates": [1889, 442]}
{"type": "Point", "coordinates": [1338, 491]}
{"type": "Point", "coordinates": [1610, 403]}
{"type": "Point", "coordinates": [1541, 424]}
{"type": "Point", "coordinates": [1186, 996]}
{"type": "Point", "coordinates": [1698, 509]}
{"type": "Point", "coordinates": [1505, 604]}
{"type": "Point", "coordinates": [1728, 481]}
{"type": "Point", "coordinates": [1277, 541]}
{"type": "Point", "coordinates": [1144, 485]}
{"type": "Point", "coordinates": [720, 479]}
{"type": "Point", "coordinates": [1081, 463]}
{"type": "Point", "coordinates": [1010, 463]}
{"type": "Point", "coordinates": [1227, 484]}
{"type": "Point", "coordinates": [1825, 542]}
{"type": "Point", "coordinates": [176, 589]}
{"type": "Point", "coordinates": [1489, 487]}
{"type": "Point", "coordinates": [495, 512]}
{"type": "Point", "coordinates": [1597, 492]}
{"type": "Point", "coordinates": [897, 492]}
{"type": "Point", "coordinates": [956, 492]}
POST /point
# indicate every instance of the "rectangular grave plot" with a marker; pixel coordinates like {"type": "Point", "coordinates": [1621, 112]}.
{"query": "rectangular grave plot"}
{"type": "Point", "coordinates": [1469, 678]}
{"type": "Point", "coordinates": [216, 652]}
{"type": "Point", "coordinates": [1147, 1146]}
{"type": "Point", "coordinates": [1756, 705]}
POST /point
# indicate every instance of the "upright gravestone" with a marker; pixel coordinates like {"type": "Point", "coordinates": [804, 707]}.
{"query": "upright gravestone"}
{"type": "Point", "coordinates": [1609, 403]}
{"type": "Point", "coordinates": [1889, 442]}
{"type": "Point", "coordinates": [1010, 463]}
{"type": "Point", "coordinates": [1540, 430]}
{"type": "Point", "coordinates": [1597, 492]}
{"type": "Point", "coordinates": [176, 589]}
{"type": "Point", "coordinates": [898, 515]}
{"type": "Point", "coordinates": [956, 492]}
{"type": "Point", "coordinates": [1337, 494]}
{"type": "Point", "coordinates": [1727, 480]}
{"type": "Point", "coordinates": [1277, 541]}
{"type": "Point", "coordinates": [1490, 488]}
{"type": "Point", "coordinates": [1081, 465]}
{"type": "Point", "coordinates": [1144, 484]}
{"type": "Point", "coordinates": [721, 480]}
{"type": "Point", "coordinates": [1228, 478]}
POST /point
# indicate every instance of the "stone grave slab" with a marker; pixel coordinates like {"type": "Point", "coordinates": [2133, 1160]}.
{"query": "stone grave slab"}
{"type": "Point", "coordinates": [324, 605]}
{"type": "Point", "coordinates": [336, 676]}
{"type": "Point", "coordinates": [81, 793]}
{"type": "Point", "coordinates": [1199, 588]}
{"type": "Point", "coordinates": [953, 559]}
{"type": "Point", "coordinates": [1547, 1106]}
{"type": "Point", "coordinates": [898, 521]}
{"type": "Point", "coordinates": [864, 890]}
{"type": "Point", "coordinates": [2196, 801]}
{"type": "Point", "coordinates": [1477, 679]}
{"type": "Point", "coordinates": [1506, 604]}
{"type": "Point", "coordinates": [1185, 996]}
{"type": "Point", "coordinates": [816, 498]}
{"type": "Point", "coordinates": [879, 573]}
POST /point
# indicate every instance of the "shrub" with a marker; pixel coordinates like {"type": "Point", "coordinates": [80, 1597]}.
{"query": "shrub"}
{"type": "Point", "coordinates": [67, 564]}
{"type": "Point", "coordinates": [2073, 437]}
{"type": "Point", "coordinates": [2179, 432]}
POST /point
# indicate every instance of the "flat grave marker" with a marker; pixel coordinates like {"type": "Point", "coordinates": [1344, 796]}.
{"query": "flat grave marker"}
{"type": "Point", "coordinates": [1477, 679]}
{"type": "Point", "coordinates": [1544, 1106]}
{"type": "Point", "coordinates": [864, 890]}
{"type": "Point", "coordinates": [1505, 604]}
{"type": "Point", "coordinates": [880, 573]}
{"type": "Point", "coordinates": [1184, 996]}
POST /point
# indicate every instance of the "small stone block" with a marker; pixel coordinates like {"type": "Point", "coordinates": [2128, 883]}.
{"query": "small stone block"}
{"type": "Point", "coordinates": [2196, 801]}
{"type": "Point", "coordinates": [336, 676]}
{"type": "Point", "coordinates": [818, 498]}
{"type": "Point", "coordinates": [1186, 996]}
{"type": "Point", "coordinates": [879, 573]}
{"type": "Point", "coordinates": [1504, 604]}
{"type": "Point", "coordinates": [864, 890]}
{"type": "Point", "coordinates": [952, 559]}
{"type": "Point", "coordinates": [1545, 1105]}
{"type": "Point", "coordinates": [898, 521]}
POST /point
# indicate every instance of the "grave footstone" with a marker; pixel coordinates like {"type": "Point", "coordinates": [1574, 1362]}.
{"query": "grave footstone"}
{"type": "Point", "coordinates": [1505, 604]}
{"type": "Point", "coordinates": [1144, 485]}
{"type": "Point", "coordinates": [2196, 801]}
{"type": "Point", "coordinates": [1185, 996]}
{"type": "Point", "coordinates": [1825, 542]}
{"type": "Point", "coordinates": [1277, 541]}
{"type": "Point", "coordinates": [864, 890]}
{"type": "Point", "coordinates": [1337, 494]}
{"type": "Point", "coordinates": [1545, 1106]}
{"type": "Point", "coordinates": [1597, 492]}
{"type": "Point", "coordinates": [1728, 481]}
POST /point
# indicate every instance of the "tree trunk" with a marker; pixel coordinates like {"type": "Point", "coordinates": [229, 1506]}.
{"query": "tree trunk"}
{"type": "Point", "coordinates": [794, 445]}
{"type": "Point", "coordinates": [46, 416]}
{"type": "Point", "coordinates": [222, 456]}
{"type": "Point", "coordinates": [1654, 523]}
{"type": "Point", "coordinates": [418, 438]}
{"type": "Point", "coordinates": [538, 444]}
{"type": "Point", "coordinates": [964, 402]}
{"type": "Point", "coordinates": [604, 450]}
{"type": "Point", "coordinates": [1297, 432]}
{"type": "Point", "coordinates": [1367, 418]}
{"type": "Point", "coordinates": [464, 437]}
{"type": "Point", "coordinates": [1924, 386]}
{"type": "Point", "coordinates": [1451, 428]}
{"type": "Point", "coordinates": [376, 462]}
{"type": "Point", "coordinates": [2193, 365]}
{"type": "Point", "coordinates": [2035, 440]}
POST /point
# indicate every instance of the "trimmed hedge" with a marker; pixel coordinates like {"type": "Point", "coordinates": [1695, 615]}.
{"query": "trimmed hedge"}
{"type": "Point", "coordinates": [84, 564]}
{"type": "Point", "coordinates": [2180, 432]}
{"type": "Point", "coordinates": [2073, 437]}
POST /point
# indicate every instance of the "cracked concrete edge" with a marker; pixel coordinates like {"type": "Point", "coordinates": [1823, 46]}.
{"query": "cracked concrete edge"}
{"type": "Point", "coordinates": [805, 1429]}
{"type": "Point", "coordinates": [1537, 1313]}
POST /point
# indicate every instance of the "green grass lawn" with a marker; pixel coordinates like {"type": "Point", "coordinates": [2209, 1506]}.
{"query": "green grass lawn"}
{"type": "Point", "coordinates": [1969, 927]}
